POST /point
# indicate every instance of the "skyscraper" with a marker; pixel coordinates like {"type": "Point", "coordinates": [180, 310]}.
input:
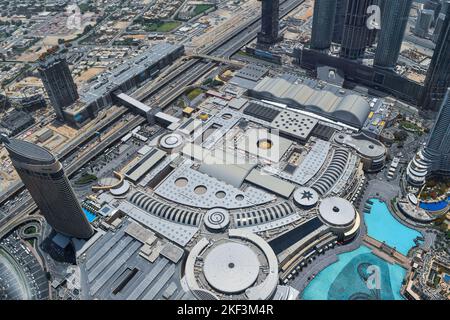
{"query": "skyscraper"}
{"type": "Point", "coordinates": [438, 146]}
{"type": "Point", "coordinates": [435, 157]}
{"type": "Point", "coordinates": [393, 25]}
{"type": "Point", "coordinates": [438, 75]}
{"type": "Point", "coordinates": [433, 5]}
{"type": "Point", "coordinates": [338, 26]}
{"type": "Point", "coordinates": [372, 37]}
{"type": "Point", "coordinates": [269, 22]}
{"type": "Point", "coordinates": [49, 187]}
{"type": "Point", "coordinates": [355, 35]}
{"type": "Point", "coordinates": [423, 23]}
{"type": "Point", "coordinates": [322, 28]}
{"type": "Point", "coordinates": [438, 27]}
{"type": "Point", "coordinates": [445, 6]}
{"type": "Point", "coordinates": [58, 82]}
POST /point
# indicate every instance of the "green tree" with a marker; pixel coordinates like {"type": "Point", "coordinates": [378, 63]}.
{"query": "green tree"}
{"type": "Point", "coordinates": [400, 135]}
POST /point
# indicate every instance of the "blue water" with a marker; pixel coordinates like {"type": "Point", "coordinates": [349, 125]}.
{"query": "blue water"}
{"type": "Point", "coordinates": [437, 206]}
{"type": "Point", "coordinates": [447, 278]}
{"type": "Point", "coordinates": [89, 215]}
{"type": "Point", "coordinates": [346, 279]}
{"type": "Point", "coordinates": [381, 225]}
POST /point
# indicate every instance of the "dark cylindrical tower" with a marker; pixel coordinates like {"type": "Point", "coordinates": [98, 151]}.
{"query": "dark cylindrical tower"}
{"type": "Point", "coordinates": [49, 187]}
{"type": "Point", "coordinates": [322, 28]}
{"type": "Point", "coordinates": [356, 32]}
{"type": "Point", "coordinates": [339, 19]}
{"type": "Point", "coordinates": [394, 20]}
{"type": "Point", "coordinates": [269, 22]}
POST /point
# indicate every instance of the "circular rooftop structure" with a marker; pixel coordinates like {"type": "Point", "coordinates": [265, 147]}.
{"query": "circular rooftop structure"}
{"type": "Point", "coordinates": [364, 145]}
{"type": "Point", "coordinates": [27, 152]}
{"type": "Point", "coordinates": [305, 197]}
{"type": "Point", "coordinates": [240, 266]}
{"type": "Point", "coordinates": [217, 219]}
{"type": "Point", "coordinates": [413, 198]}
{"type": "Point", "coordinates": [337, 212]}
{"type": "Point", "coordinates": [121, 190]}
{"type": "Point", "coordinates": [171, 141]}
{"type": "Point", "coordinates": [231, 267]}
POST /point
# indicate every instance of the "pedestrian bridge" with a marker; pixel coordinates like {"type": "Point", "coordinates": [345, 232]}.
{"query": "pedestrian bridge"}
{"type": "Point", "coordinates": [217, 59]}
{"type": "Point", "coordinates": [386, 252]}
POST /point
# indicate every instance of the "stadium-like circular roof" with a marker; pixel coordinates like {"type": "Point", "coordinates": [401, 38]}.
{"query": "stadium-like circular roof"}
{"type": "Point", "coordinates": [306, 197]}
{"type": "Point", "coordinates": [120, 191]}
{"type": "Point", "coordinates": [217, 219]}
{"type": "Point", "coordinates": [28, 152]}
{"type": "Point", "coordinates": [171, 141]}
{"type": "Point", "coordinates": [337, 212]}
{"type": "Point", "coordinates": [231, 267]}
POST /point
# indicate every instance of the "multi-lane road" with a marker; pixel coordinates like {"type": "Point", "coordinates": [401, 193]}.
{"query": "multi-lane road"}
{"type": "Point", "coordinates": [27, 205]}
{"type": "Point", "coordinates": [171, 86]}
{"type": "Point", "coordinates": [72, 146]}
{"type": "Point", "coordinates": [163, 93]}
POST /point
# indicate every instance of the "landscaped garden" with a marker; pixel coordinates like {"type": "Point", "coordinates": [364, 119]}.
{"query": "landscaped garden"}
{"type": "Point", "coordinates": [158, 25]}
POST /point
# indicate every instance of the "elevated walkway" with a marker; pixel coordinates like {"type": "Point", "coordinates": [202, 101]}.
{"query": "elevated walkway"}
{"type": "Point", "coordinates": [217, 59]}
{"type": "Point", "coordinates": [386, 252]}
{"type": "Point", "coordinates": [152, 114]}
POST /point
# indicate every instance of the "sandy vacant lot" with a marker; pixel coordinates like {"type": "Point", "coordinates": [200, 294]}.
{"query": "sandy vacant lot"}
{"type": "Point", "coordinates": [88, 74]}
